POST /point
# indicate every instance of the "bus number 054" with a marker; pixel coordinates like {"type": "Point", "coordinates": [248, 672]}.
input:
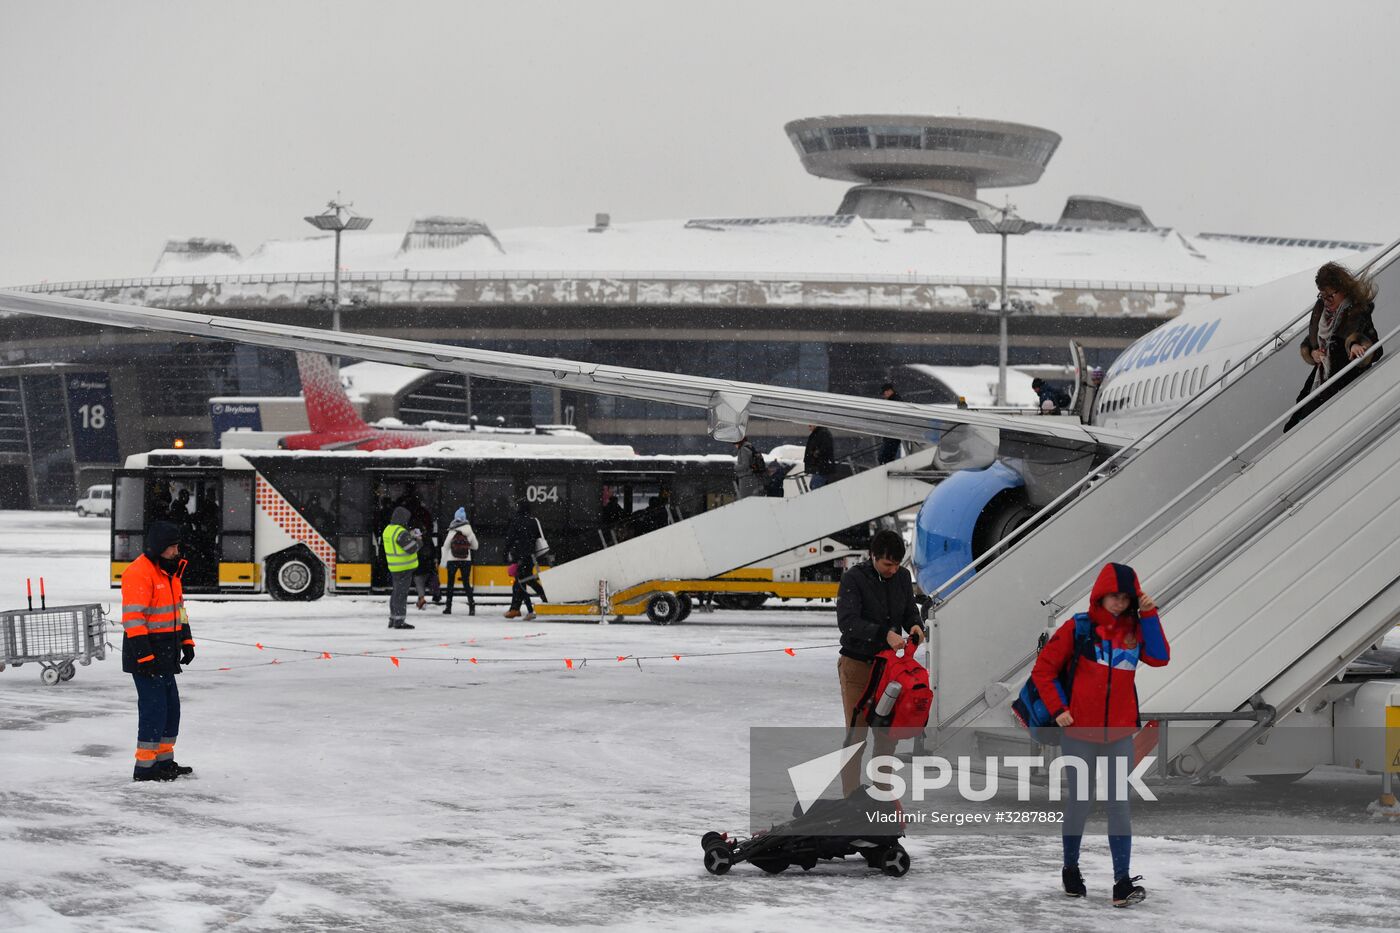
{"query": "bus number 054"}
{"type": "Point", "coordinates": [541, 493]}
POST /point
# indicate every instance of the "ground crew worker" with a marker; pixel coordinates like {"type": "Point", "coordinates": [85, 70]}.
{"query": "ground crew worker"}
{"type": "Point", "coordinates": [155, 642]}
{"type": "Point", "coordinates": [401, 548]}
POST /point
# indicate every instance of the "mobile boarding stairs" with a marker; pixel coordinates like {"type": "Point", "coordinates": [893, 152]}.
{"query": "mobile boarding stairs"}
{"type": "Point", "coordinates": [1275, 559]}
{"type": "Point", "coordinates": [706, 552]}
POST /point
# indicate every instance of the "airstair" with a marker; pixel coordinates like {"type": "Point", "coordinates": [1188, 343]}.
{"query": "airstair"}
{"type": "Point", "coordinates": [1275, 557]}
{"type": "Point", "coordinates": [742, 533]}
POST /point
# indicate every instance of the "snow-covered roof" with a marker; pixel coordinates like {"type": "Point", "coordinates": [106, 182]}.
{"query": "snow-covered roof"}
{"type": "Point", "coordinates": [978, 384]}
{"type": "Point", "coordinates": [370, 378]}
{"type": "Point", "coordinates": [800, 250]}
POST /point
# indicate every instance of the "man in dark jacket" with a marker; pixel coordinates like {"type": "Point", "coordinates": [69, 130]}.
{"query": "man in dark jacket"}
{"type": "Point", "coordinates": [874, 607]}
{"type": "Point", "coordinates": [819, 458]}
{"type": "Point", "coordinates": [1052, 399]}
{"type": "Point", "coordinates": [156, 640]}
{"type": "Point", "coordinates": [889, 446]}
{"type": "Point", "coordinates": [521, 537]}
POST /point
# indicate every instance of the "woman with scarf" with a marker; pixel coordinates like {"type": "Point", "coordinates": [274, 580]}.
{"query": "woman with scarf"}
{"type": "Point", "coordinates": [1339, 331]}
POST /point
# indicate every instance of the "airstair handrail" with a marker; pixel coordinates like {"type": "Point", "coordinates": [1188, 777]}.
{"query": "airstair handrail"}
{"type": "Point", "coordinates": [1276, 340]}
{"type": "Point", "coordinates": [1237, 461]}
{"type": "Point", "coordinates": [1243, 456]}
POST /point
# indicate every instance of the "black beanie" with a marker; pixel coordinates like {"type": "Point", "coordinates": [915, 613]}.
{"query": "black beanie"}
{"type": "Point", "coordinates": [160, 536]}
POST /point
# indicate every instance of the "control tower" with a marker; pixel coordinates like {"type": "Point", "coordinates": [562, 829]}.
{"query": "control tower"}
{"type": "Point", "coordinates": [913, 167]}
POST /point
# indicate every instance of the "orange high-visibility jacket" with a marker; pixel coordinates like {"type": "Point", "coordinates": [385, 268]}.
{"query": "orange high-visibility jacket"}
{"type": "Point", "coordinates": [153, 619]}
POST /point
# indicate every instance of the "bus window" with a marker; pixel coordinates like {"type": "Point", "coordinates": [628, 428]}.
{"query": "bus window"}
{"type": "Point", "coordinates": [128, 518]}
{"type": "Point", "coordinates": [353, 519]}
{"type": "Point", "coordinates": [236, 535]}
{"type": "Point", "coordinates": [586, 502]}
{"type": "Point", "coordinates": [456, 494]}
{"type": "Point", "coordinates": [314, 496]}
{"type": "Point", "coordinates": [495, 500]}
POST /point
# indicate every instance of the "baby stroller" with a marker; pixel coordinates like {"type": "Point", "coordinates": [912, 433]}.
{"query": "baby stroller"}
{"type": "Point", "coordinates": [820, 834]}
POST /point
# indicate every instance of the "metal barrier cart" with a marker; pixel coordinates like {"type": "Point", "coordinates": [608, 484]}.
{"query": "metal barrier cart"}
{"type": "Point", "coordinates": [53, 638]}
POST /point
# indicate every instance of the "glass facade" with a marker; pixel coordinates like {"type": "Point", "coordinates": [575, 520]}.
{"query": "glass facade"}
{"type": "Point", "coordinates": [50, 442]}
{"type": "Point", "coordinates": [179, 380]}
{"type": "Point", "coordinates": [1029, 148]}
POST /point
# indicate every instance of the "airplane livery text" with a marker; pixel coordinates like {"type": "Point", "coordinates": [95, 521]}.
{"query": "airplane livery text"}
{"type": "Point", "coordinates": [1166, 343]}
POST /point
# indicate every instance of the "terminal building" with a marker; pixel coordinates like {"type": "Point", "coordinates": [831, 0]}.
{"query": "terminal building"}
{"type": "Point", "coordinates": [892, 281]}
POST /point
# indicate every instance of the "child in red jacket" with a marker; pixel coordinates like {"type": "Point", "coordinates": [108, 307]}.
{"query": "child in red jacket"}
{"type": "Point", "coordinates": [1102, 714]}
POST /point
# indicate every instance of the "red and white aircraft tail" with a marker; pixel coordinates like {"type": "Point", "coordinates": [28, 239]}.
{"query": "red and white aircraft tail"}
{"type": "Point", "coordinates": [333, 422]}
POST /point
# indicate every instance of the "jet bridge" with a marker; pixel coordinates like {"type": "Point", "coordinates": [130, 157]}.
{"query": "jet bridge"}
{"type": "Point", "coordinates": [1275, 557]}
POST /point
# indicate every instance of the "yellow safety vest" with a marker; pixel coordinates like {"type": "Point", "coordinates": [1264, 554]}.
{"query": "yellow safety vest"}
{"type": "Point", "coordinates": [396, 557]}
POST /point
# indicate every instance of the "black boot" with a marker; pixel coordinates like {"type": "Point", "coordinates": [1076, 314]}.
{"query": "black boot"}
{"type": "Point", "coordinates": [1073, 881]}
{"type": "Point", "coordinates": [447, 611]}
{"type": "Point", "coordinates": [174, 767]}
{"type": "Point", "coordinates": [1126, 891]}
{"type": "Point", "coordinates": [153, 774]}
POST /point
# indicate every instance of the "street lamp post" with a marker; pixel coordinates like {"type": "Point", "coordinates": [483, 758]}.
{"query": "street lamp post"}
{"type": "Point", "coordinates": [1008, 226]}
{"type": "Point", "coordinates": [338, 217]}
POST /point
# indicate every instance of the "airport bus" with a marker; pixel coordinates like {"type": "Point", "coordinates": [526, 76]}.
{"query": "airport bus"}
{"type": "Point", "coordinates": [299, 524]}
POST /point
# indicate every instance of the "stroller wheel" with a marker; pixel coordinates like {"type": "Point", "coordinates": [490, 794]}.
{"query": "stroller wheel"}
{"type": "Point", "coordinates": [896, 861]}
{"type": "Point", "coordinates": [718, 858]}
{"type": "Point", "coordinates": [773, 866]}
{"type": "Point", "coordinates": [709, 839]}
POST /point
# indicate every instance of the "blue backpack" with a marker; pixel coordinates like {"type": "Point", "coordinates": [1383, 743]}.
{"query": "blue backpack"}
{"type": "Point", "coordinates": [1030, 709]}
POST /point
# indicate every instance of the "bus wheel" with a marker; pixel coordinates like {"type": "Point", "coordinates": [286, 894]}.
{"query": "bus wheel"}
{"type": "Point", "coordinates": [663, 608]}
{"type": "Point", "coordinates": [295, 575]}
{"type": "Point", "coordinates": [687, 604]}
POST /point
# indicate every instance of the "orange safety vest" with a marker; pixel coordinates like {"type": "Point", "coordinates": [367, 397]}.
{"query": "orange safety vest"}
{"type": "Point", "coordinates": [154, 621]}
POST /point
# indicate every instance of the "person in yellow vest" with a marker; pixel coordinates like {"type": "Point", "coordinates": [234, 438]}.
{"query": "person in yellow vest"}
{"type": "Point", "coordinates": [156, 641]}
{"type": "Point", "coordinates": [401, 548]}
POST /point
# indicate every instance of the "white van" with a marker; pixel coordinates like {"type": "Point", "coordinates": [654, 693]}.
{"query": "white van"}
{"type": "Point", "coordinates": [98, 501]}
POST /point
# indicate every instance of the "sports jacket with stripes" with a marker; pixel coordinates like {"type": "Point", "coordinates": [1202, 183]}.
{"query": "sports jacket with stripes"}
{"type": "Point", "coordinates": [1104, 699]}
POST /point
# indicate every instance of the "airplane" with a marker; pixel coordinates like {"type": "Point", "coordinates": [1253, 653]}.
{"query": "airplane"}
{"type": "Point", "coordinates": [335, 424]}
{"type": "Point", "coordinates": [1001, 468]}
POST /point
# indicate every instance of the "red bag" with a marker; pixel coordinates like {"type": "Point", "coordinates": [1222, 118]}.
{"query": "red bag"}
{"type": "Point", "coordinates": [910, 713]}
{"type": "Point", "coordinates": [512, 570]}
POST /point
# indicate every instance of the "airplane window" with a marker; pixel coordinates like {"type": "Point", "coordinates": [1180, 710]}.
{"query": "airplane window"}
{"type": "Point", "coordinates": [1137, 394]}
{"type": "Point", "coordinates": [1195, 380]}
{"type": "Point", "coordinates": [1156, 389]}
{"type": "Point", "coordinates": [1176, 377]}
{"type": "Point", "coordinates": [1205, 375]}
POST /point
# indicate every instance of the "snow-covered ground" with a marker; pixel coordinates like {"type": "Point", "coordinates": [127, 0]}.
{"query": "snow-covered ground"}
{"type": "Point", "coordinates": [350, 794]}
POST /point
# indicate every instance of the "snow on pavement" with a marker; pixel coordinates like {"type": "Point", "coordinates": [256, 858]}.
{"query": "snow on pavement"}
{"type": "Point", "coordinates": [350, 794]}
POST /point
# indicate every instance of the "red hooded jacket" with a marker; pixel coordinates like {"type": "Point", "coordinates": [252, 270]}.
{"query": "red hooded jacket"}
{"type": "Point", "coordinates": [1104, 695]}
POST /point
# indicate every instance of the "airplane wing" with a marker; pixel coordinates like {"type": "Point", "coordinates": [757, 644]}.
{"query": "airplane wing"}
{"type": "Point", "coordinates": [729, 403]}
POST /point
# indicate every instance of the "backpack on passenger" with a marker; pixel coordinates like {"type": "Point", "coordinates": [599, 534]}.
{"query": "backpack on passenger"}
{"type": "Point", "coordinates": [459, 545]}
{"type": "Point", "coordinates": [1030, 709]}
{"type": "Point", "coordinates": [756, 464]}
{"type": "Point", "coordinates": [898, 697]}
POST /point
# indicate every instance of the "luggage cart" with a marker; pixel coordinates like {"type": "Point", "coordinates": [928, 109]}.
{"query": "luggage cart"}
{"type": "Point", "coordinates": [53, 638]}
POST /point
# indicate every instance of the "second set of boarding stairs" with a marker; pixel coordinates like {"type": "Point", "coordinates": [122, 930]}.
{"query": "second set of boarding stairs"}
{"type": "Point", "coordinates": [1275, 558]}
{"type": "Point", "coordinates": [739, 534]}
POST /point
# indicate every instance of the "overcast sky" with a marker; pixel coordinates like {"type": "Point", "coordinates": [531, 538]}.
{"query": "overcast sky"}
{"type": "Point", "coordinates": [128, 123]}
